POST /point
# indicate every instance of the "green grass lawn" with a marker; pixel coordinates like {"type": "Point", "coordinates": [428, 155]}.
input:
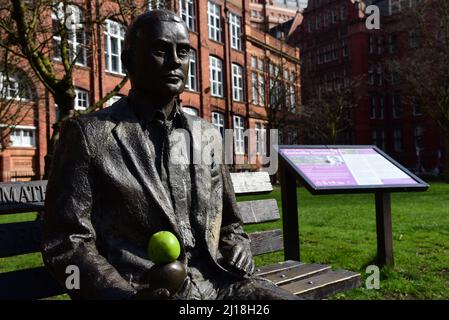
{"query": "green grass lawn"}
{"type": "Point", "coordinates": [340, 230]}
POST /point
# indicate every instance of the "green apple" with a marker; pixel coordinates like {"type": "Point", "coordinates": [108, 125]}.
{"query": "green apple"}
{"type": "Point", "coordinates": [163, 247]}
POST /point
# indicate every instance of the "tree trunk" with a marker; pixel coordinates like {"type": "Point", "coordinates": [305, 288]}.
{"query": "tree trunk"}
{"type": "Point", "coordinates": [445, 157]}
{"type": "Point", "coordinates": [65, 99]}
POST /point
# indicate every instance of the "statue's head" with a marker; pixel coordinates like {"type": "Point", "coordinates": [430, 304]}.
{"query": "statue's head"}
{"type": "Point", "coordinates": [156, 54]}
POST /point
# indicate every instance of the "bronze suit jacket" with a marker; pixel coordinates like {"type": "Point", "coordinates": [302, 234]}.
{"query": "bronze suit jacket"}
{"type": "Point", "coordinates": [105, 199]}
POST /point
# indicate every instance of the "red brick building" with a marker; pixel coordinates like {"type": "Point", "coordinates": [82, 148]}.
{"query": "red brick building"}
{"type": "Point", "coordinates": [337, 49]}
{"type": "Point", "coordinates": [226, 55]}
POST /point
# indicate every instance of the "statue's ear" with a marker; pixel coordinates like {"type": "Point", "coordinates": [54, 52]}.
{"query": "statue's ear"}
{"type": "Point", "coordinates": [127, 61]}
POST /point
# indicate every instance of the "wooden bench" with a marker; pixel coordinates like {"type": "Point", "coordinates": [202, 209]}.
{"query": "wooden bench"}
{"type": "Point", "coordinates": [311, 281]}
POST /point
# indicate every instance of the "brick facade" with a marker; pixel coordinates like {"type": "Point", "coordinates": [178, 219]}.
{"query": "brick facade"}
{"type": "Point", "coordinates": [97, 81]}
{"type": "Point", "coordinates": [336, 46]}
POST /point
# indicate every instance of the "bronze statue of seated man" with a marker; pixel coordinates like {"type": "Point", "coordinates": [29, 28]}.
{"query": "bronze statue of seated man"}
{"type": "Point", "coordinates": [112, 185]}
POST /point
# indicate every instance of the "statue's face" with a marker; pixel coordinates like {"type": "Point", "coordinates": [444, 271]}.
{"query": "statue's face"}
{"type": "Point", "coordinates": [161, 60]}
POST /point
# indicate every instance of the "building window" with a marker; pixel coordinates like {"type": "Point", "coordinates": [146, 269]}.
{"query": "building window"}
{"type": "Point", "coordinates": [371, 75]}
{"type": "Point", "coordinates": [191, 79]}
{"type": "Point", "coordinates": [23, 136]}
{"type": "Point", "coordinates": [345, 49]}
{"type": "Point", "coordinates": [419, 138]}
{"type": "Point", "coordinates": [113, 100]}
{"type": "Point", "coordinates": [374, 137]}
{"type": "Point", "coordinates": [343, 12]}
{"type": "Point", "coordinates": [414, 38]}
{"type": "Point", "coordinates": [398, 142]}
{"type": "Point", "coordinates": [380, 43]}
{"type": "Point", "coordinates": [237, 82]}
{"type": "Point", "coordinates": [394, 78]}
{"type": "Point", "coordinates": [114, 36]}
{"type": "Point", "coordinates": [417, 109]}
{"type": "Point", "coordinates": [397, 107]}
{"type": "Point", "coordinates": [392, 43]}
{"type": "Point", "coordinates": [187, 12]}
{"type": "Point", "coordinates": [371, 43]}
{"type": "Point", "coordinates": [254, 88]}
{"type": "Point", "coordinates": [216, 76]}
{"type": "Point", "coordinates": [380, 111]}
{"type": "Point", "coordinates": [379, 76]}
{"type": "Point", "coordinates": [253, 62]}
{"type": "Point", "coordinates": [81, 99]}
{"type": "Point", "coordinates": [292, 136]}
{"type": "Point", "coordinates": [190, 110]}
{"type": "Point", "coordinates": [317, 22]}
{"type": "Point", "coordinates": [236, 31]}
{"type": "Point", "coordinates": [373, 107]}
{"type": "Point", "coordinates": [76, 35]}
{"type": "Point", "coordinates": [261, 90]}
{"type": "Point", "coordinates": [156, 4]}
{"type": "Point", "coordinates": [239, 140]}
{"type": "Point", "coordinates": [13, 87]}
{"type": "Point", "coordinates": [261, 134]}
{"type": "Point", "coordinates": [218, 122]}
{"type": "Point", "coordinates": [214, 21]}
{"type": "Point", "coordinates": [309, 26]}
{"type": "Point", "coordinates": [334, 15]}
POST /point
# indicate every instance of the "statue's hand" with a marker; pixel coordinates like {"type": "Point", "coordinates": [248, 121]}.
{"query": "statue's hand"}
{"type": "Point", "coordinates": [240, 259]}
{"type": "Point", "coordinates": [152, 294]}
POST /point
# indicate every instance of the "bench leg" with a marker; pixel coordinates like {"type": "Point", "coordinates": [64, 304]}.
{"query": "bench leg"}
{"type": "Point", "coordinates": [289, 213]}
{"type": "Point", "coordinates": [384, 229]}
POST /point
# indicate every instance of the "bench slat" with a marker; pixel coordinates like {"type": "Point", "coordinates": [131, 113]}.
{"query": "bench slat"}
{"type": "Point", "coordinates": [17, 197]}
{"type": "Point", "coordinates": [19, 238]}
{"type": "Point", "coordinates": [324, 285]}
{"type": "Point", "coordinates": [30, 284]}
{"type": "Point", "coordinates": [258, 211]}
{"type": "Point", "coordinates": [276, 267]}
{"type": "Point", "coordinates": [266, 241]}
{"type": "Point", "coordinates": [251, 182]}
{"type": "Point", "coordinates": [296, 273]}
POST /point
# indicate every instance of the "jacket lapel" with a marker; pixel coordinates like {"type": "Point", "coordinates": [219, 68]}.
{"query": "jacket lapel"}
{"type": "Point", "coordinates": [134, 144]}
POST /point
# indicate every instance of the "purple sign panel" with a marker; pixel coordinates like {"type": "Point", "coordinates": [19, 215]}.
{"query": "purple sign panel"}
{"type": "Point", "coordinates": [346, 167]}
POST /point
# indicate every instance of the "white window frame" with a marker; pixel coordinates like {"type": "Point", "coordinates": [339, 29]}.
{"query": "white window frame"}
{"type": "Point", "coordinates": [239, 138]}
{"type": "Point", "coordinates": [155, 4]}
{"type": "Point", "coordinates": [22, 142]}
{"type": "Point", "coordinates": [237, 82]}
{"type": "Point", "coordinates": [235, 26]}
{"type": "Point", "coordinates": [187, 13]}
{"type": "Point", "coordinates": [190, 110]}
{"type": "Point", "coordinates": [218, 121]}
{"type": "Point", "coordinates": [113, 31]}
{"type": "Point", "coordinates": [254, 88]}
{"type": "Point", "coordinates": [75, 30]}
{"type": "Point", "coordinates": [12, 88]}
{"type": "Point", "coordinates": [216, 76]}
{"type": "Point", "coordinates": [418, 133]}
{"type": "Point", "coordinates": [396, 106]}
{"type": "Point", "coordinates": [214, 21]}
{"type": "Point", "coordinates": [81, 99]}
{"type": "Point", "coordinates": [191, 83]}
{"type": "Point", "coordinates": [261, 136]}
{"type": "Point", "coordinates": [261, 90]}
{"type": "Point", "coordinates": [417, 107]}
{"type": "Point", "coordinates": [113, 100]}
